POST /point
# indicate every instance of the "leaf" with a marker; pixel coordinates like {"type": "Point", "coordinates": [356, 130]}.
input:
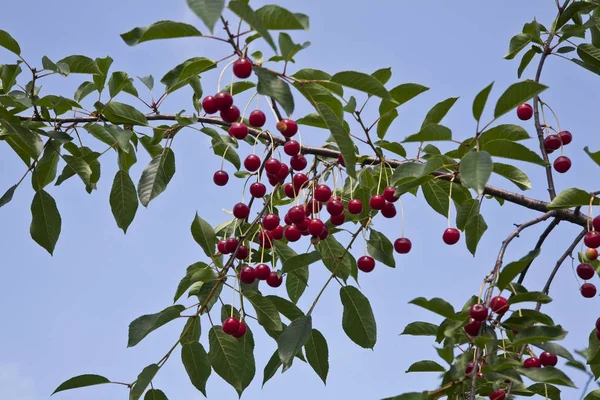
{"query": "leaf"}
{"type": "Point", "coordinates": [221, 148]}
{"type": "Point", "coordinates": [538, 297]}
{"type": "Point", "coordinates": [545, 390]}
{"type": "Point", "coordinates": [186, 72]}
{"type": "Point", "coordinates": [341, 137]}
{"type": "Point", "coordinates": [335, 257]}
{"type": "Point", "coordinates": [512, 150]}
{"type": "Point", "coordinates": [317, 354]}
{"type": "Point", "coordinates": [9, 43]}
{"type": "Point", "coordinates": [525, 60]}
{"type": "Point", "coordinates": [358, 320]}
{"type": "Point", "coordinates": [111, 135]}
{"type": "Point", "coordinates": [381, 249]}
{"type": "Point", "coordinates": [547, 375]}
{"type": "Point", "coordinates": [425, 366]}
{"type": "Point", "coordinates": [539, 333]}
{"type": "Point", "coordinates": [45, 170]}
{"type": "Point", "coordinates": [155, 394]}
{"type": "Point", "coordinates": [513, 174]}
{"type": "Point", "coordinates": [363, 82]}
{"type": "Point", "coordinates": [224, 355]}
{"type": "Point", "coordinates": [286, 307]}
{"type": "Point", "coordinates": [572, 197]}
{"type": "Point", "coordinates": [430, 133]}
{"type": "Point", "coordinates": [81, 381]}
{"type": "Point", "coordinates": [410, 396]}
{"type": "Point", "coordinates": [594, 156]}
{"type": "Point", "coordinates": [209, 11]}
{"type": "Point", "coordinates": [143, 381]}
{"type": "Point", "coordinates": [295, 283]}
{"type": "Point", "coordinates": [436, 305]}
{"type": "Point", "coordinates": [438, 112]}
{"type": "Point", "coordinates": [120, 81]}
{"type": "Point", "coordinates": [243, 10]}
{"type": "Point", "coordinates": [120, 113]}
{"type": "Point", "coordinates": [555, 348]}
{"type": "Point", "coordinates": [8, 195]}
{"type": "Point", "coordinates": [419, 328]}
{"type": "Point", "coordinates": [476, 169]}
{"type": "Point", "coordinates": [505, 132]}
{"type": "Point", "coordinates": [394, 147]}
{"type": "Point", "coordinates": [159, 30]}
{"type": "Point", "coordinates": [266, 312]}
{"type": "Point", "coordinates": [594, 395]}
{"type": "Point", "coordinates": [510, 271]}
{"type": "Point", "coordinates": [474, 230]}
{"type": "Point", "coordinates": [517, 94]}
{"type": "Point", "coordinates": [480, 100]}
{"type": "Point", "coordinates": [204, 235]}
{"type": "Point", "coordinates": [83, 90]}
{"type": "Point", "coordinates": [123, 200]}
{"type": "Point", "coordinates": [293, 339]}
{"type": "Point", "coordinates": [271, 368]}
{"type": "Point", "coordinates": [465, 212]}
{"type": "Point", "coordinates": [191, 331]}
{"type": "Point", "coordinates": [78, 166]}
{"type": "Point", "coordinates": [46, 221]}
{"type": "Point", "coordinates": [80, 65]}
{"type": "Point", "coordinates": [156, 176]}
{"type": "Point", "coordinates": [436, 196]}
{"type": "Point", "coordinates": [300, 261]}
{"type": "Point", "coordinates": [239, 87]}
{"type": "Point", "coordinates": [517, 43]}
{"type": "Point", "coordinates": [142, 326]}
{"type": "Point", "coordinates": [384, 123]}
{"type": "Point", "coordinates": [278, 18]}
{"type": "Point", "coordinates": [271, 85]}
{"type": "Point", "coordinates": [249, 364]}
{"type": "Point", "coordinates": [197, 365]}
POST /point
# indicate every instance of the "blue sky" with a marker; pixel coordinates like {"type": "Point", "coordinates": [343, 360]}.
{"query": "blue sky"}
{"type": "Point", "coordinates": [67, 315]}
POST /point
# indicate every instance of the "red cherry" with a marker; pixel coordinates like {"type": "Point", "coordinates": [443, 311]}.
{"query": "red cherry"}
{"type": "Point", "coordinates": [296, 214]}
{"type": "Point", "coordinates": [270, 221]}
{"type": "Point", "coordinates": [498, 395]}
{"type": "Point", "coordinates": [231, 326]}
{"type": "Point", "coordinates": [221, 247]}
{"type": "Point", "coordinates": [470, 367]}
{"type": "Point", "coordinates": [335, 207]}
{"type": "Point", "coordinates": [340, 160]}
{"type": "Point", "coordinates": [238, 130]}
{"type": "Point", "coordinates": [473, 327]}
{"type": "Point", "coordinates": [257, 118]}
{"type": "Point", "coordinates": [598, 324]}
{"type": "Point", "coordinates": [252, 163]}
{"type": "Point", "coordinates": [366, 263]}
{"type": "Point", "coordinates": [248, 275]}
{"type": "Point", "coordinates": [592, 239]}
{"type": "Point", "coordinates": [562, 164]}
{"type": "Point", "coordinates": [355, 206]}
{"type": "Point", "coordinates": [591, 254]}
{"type": "Point", "coordinates": [265, 240]}
{"type": "Point", "coordinates": [272, 166]}
{"type": "Point", "coordinates": [499, 305]}
{"type": "Point", "coordinates": [402, 245]}
{"type": "Point", "coordinates": [277, 233]}
{"type": "Point", "coordinates": [242, 68]}
{"type": "Point", "coordinates": [377, 202]}
{"type": "Point", "coordinates": [292, 233]}
{"type": "Point", "coordinates": [230, 114]}
{"type": "Point", "coordinates": [274, 280]}
{"type": "Point", "coordinates": [322, 193]}
{"type": "Point", "coordinates": [596, 223]}
{"type": "Point", "coordinates": [588, 290]}
{"type": "Point", "coordinates": [598, 334]}
{"type": "Point", "coordinates": [241, 330]}
{"type": "Point", "coordinates": [258, 190]}
{"type": "Point", "coordinates": [291, 148]}
{"type": "Point", "coordinates": [390, 194]}
{"type": "Point", "coordinates": [303, 225]}
{"type": "Point", "coordinates": [451, 236]}
{"type": "Point", "coordinates": [220, 178]}
{"type": "Point", "coordinates": [283, 172]}
{"type": "Point", "coordinates": [299, 181]}
{"type": "Point", "coordinates": [231, 245]}
{"type": "Point", "coordinates": [241, 211]}
{"type": "Point", "coordinates": [389, 210]}
{"type": "Point", "coordinates": [209, 104]}
{"type": "Point", "coordinates": [479, 312]}
{"type": "Point", "coordinates": [548, 359]}
{"type": "Point", "coordinates": [532, 362]}
{"type": "Point", "coordinates": [242, 253]}
{"type": "Point", "coordinates": [324, 233]}
{"type": "Point", "coordinates": [312, 207]}
{"type": "Point", "coordinates": [524, 112]}
{"type": "Point", "coordinates": [585, 271]}
{"type": "Point", "coordinates": [338, 220]}
{"type": "Point", "coordinates": [315, 227]}
{"type": "Point", "coordinates": [287, 127]}
{"type": "Point", "coordinates": [552, 142]}
{"type": "Point", "coordinates": [224, 100]}
{"type": "Point", "coordinates": [262, 272]}
{"type": "Point", "coordinates": [288, 189]}
{"type": "Point", "coordinates": [565, 137]}
{"type": "Point", "coordinates": [298, 162]}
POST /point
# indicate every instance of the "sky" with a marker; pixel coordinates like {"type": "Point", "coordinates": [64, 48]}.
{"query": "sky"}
{"type": "Point", "coordinates": [68, 314]}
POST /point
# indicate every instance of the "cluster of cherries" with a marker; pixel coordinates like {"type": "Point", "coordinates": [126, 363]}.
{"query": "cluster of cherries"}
{"type": "Point", "coordinates": [584, 270]}
{"type": "Point", "coordinates": [552, 142]}
{"type": "Point", "coordinates": [234, 327]}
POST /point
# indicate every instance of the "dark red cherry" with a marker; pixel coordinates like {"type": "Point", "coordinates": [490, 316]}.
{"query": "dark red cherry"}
{"type": "Point", "coordinates": [238, 130]}
{"type": "Point", "coordinates": [262, 272]}
{"type": "Point", "coordinates": [288, 189]}
{"type": "Point", "coordinates": [324, 233]}
{"type": "Point", "coordinates": [242, 253]}
{"type": "Point", "coordinates": [283, 172]}
{"type": "Point", "coordinates": [388, 210]}
{"type": "Point", "coordinates": [298, 162]}
{"type": "Point", "coordinates": [585, 271]}
{"type": "Point", "coordinates": [299, 181]}
{"type": "Point", "coordinates": [335, 207]}
{"type": "Point", "coordinates": [274, 280]}
{"type": "Point", "coordinates": [224, 100]}
{"type": "Point", "coordinates": [221, 247]}
{"type": "Point", "coordinates": [592, 239]}
{"type": "Point", "coordinates": [209, 104]}
{"type": "Point", "coordinates": [322, 193]}
{"type": "Point", "coordinates": [231, 326]}
{"type": "Point", "coordinates": [231, 245]}
{"type": "Point", "coordinates": [248, 275]}
{"type": "Point", "coordinates": [402, 245]}
{"type": "Point", "coordinates": [598, 324]}
{"type": "Point", "coordinates": [355, 206]}
{"type": "Point", "coordinates": [499, 305]}
{"type": "Point", "coordinates": [220, 178]}
{"type": "Point", "coordinates": [272, 166]}
{"type": "Point", "coordinates": [340, 160]}
{"type": "Point", "coordinates": [598, 334]}
{"type": "Point", "coordinates": [338, 220]}
{"type": "Point", "coordinates": [242, 68]}
{"type": "Point", "coordinates": [498, 395]}
{"type": "Point", "coordinates": [277, 233]}
{"type": "Point", "coordinates": [473, 327]}
{"type": "Point", "coordinates": [296, 214]}
{"type": "Point", "coordinates": [532, 362]}
{"type": "Point", "coordinates": [390, 194]}
{"type": "Point", "coordinates": [315, 227]}
{"type": "Point", "coordinates": [566, 137]}
{"type": "Point", "coordinates": [265, 239]}
{"type": "Point", "coordinates": [596, 223]}
{"type": "Point", "coordinates": [241, 210]}
{"type": "Point", "coordinates": [562, 164]}
{"type": "Point", "coordinates": [479, 312]}
{"type": "Point", "coordinates": [548, 359]}
{"type": "Point", "coordinates": [552, 142]}
{"type": "Point", "coordinates": [588, 290]}
{"type": "Point", "coordinates": [270, 221]}
{"type": "Point", "coordinates": [252, 162]}
{"type": "Point", "coordinates": [287, 127]}
{"type": "Point", "coordinates": [524, 112]}
{"type": "Point", "coordinates": [258, 190]}
{"type": "Point", "coordinates": [377, 202]}
{"type": "Point", "coordinates": [366, 263]}
{"type": "Point", "coordinates": [313, 206]}
{"type": "Point", "coordinates": [241, 330]}
{"type": "Point", "coordinates": [230, 114]}
{"type": "Point", "coordinates": [303, 225]}
{"type": "Point", "coordinates": [451, 236]}
{"type": "Point", "coordinates": [292, 233]}
{"type": "Point", "coordinates": [257, 119]}
{"type": "Point", "coordinates": [291, 148]}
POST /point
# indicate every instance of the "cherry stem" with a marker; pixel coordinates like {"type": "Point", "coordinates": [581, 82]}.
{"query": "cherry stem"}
{"type": "Point", "coordinates": [221, 75]}
{"type": "Point", "coordinates": [272, 109]}
{"type": "Point", "coordinates": [450, 200]}
{"type": "Point", "coordinates": [401, 216]}
{"type": "Point", "coordinates": [553, 113]}
{"type": "Point", "coordinates": [248, 105]}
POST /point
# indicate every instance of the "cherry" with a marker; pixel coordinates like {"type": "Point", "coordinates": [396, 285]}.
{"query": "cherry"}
{"type": "Point", "coordinates": [335, 207]}
{"type": "Point", "coordinates": [552, 142]}
{"type": "Point", "coordinates": [598, 324]}
{"type": "Point", "coordinates": [231, 326]}
{"type": "Point", "coordinates": [296, 214]}
{"type": "Point", "coordinates": [270, 222]}
{"type": "Point", "coordinates": [588, 290]}
{"type": "Point", "coordinates": [598, 334]}
{"type": "Point", "coordinates": [585, 271]}
{"type": "Point", "coordinates": [209, 104]}
{"type": "Point", "coordinates": [340, 160]}
{"type": "Point", "coordinates": [288, 189]}
{"type": "Point", "coordinates": [565, 137]}
{"type": "Point", "coordinates": [257, 118]}
{"type": "Point", "coordinates": [265, 239]}
{"type": "Point", "coordinates": [303, 225]}
{"type": "Point", "coordinates": [470, 367]}
{"type": "Point", "coordinates": [262, 272]}
{"type": "Point", "coordinates": [241, 330]}
{"type": "Point", "coordinates": [241, 211]}
{"type": "Point", "coordinates": [355, 206]}
{"type": "Point", "coordinates": [231, 245]}
{"type": "Point", "coordinates": [274, 280]}
{"type": "Point", "coordinates": [277, 233]}
{"type": "Point", "coordinates": [299, 181]}
{"type": "Point", "coordinates": [322, 193]}
{"type": "Point", "coordinates": [252, 162]}
{"type": "Point", "coordinates": [479, 312]}
{"type": "Point", "coordinates": [286, 219]}
{"type": "Point", "coordinates": [499, 305]}
{"type": "Point", "coordinates": [238, 130]}
{"type": "Point", "coordinates": [389, 210]}
{"type": "Point", "coordinates": [272, 166]}
{"type": "Point", "coordinates": [473, 327]}
{"type": "Point", "coordinates": [242, 68]}
{"type": "Point", "coordinates": [498, 395]}
{"type": "Point", "coordinates": [221, 247]}
{"type": "Point", "coordinates": [596, 223]}
{"type": "Point", "coordinates": [292, 233]}
{"type": "Point", "coordinates": [377, 202]}
{"type": "Point", "coordinates": [315, 227]}
{"type": "Point", "coordinates": [366, 263]}
{"type": "Point", "coordinates": [524, 112]}
{"type": "Point", "coordinates": [313, 206]}
{"type": "Point", "coordinates": [592, 239]}
{"type": "Point", "coordinates": [532, 362]}
{"type": "Point", "coordinates": [258, 190]}
{"type": "Point", "coordinates": [283, 172]}
{"type": "Point", "coordinates": [220, 178]}
{"type": "Point", "coordinates": [248, 275]}
{"type": "Point", "coordinates": [451, 236]}
{"type": "Point", "coordinates": [402, 245]}
{"type": "Point", "coordinates": [324, 233]}
{"type": "Point", "coordinates": [562, 164]}
{"type": "Point", "coordinates": [291, 148]}
{"type": "Point", "coordinates": [591, 254]}
{"type": "Point", "coordinates": [242, 253]}
{"type": "Point", "coordinates": [224, 101]}
{"type": "Point", "coordinates": [390, 194]}
{"type": "Point", "coordinates": [298, 162]}
{"type": "Point", "coordinates": [548, 359]}
{"type": "Point", "coordinates": [287, 127]}
{"type": "Point", "coordinates": [230, 114]}
{"type": "Point", "coordinates": [338, 220]}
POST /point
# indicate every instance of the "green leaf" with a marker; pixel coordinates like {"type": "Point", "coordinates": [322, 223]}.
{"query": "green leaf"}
{"type": "Point", "coordinates": [148, 81]}
{"type": "Point", "coordinates": [394, 147]}
{"type": "Point", "coordinates": [419, 328]}
{"type": "Point", "coordinates": [480, 100]}
{"type": "Point", "coordinates": [266, 312]}
{"type": "Point", "coordinates": [465, 212]}
{"type": "Point", "coordinates": [517, 43]}
{"type": "Point", "coordinates": [239, 87]}
{"type": "Point", "coordinates": [81, 381]}
{"type": "Point", "coordinates": [196, 363]}
{"type": "Point", "coordinates": [517, 94]}
{"type": "Point", "coordinates": [358, 320]}
{"type": "Point", "coordinates": [293, 339]}
{"type": "Point", "coordinates": [155, 394]}
{"type": "Point", "coordinates": [197, 272]}
{"type": "Point", "coordinates": [513, 151]}
{"type": "Point", "coordinates": [221, 148]}
{"type": "Point", "coordinates": [547, 390]}
{"type": "Point", "coordinates": [120, 81]}
{"type": "Point", "coordinates": [186, 72]}
{"type": "Point", "coordinates": [46, 221]}
{"type": "Point", "coordinates": [8, 195]}
{"type": "Point", "coordinates": [335, 257]}
{"type": "Point", "coordinates": [159, 30]}
{"type": "Point", "coordinates": [510, 271]}
{"type": "Point", "coordinates": [123, 200]}
{"type": "Point", "coordinates": [80, 65]}
{"type": "Point", "coordinates": [83, 90]}
{"type": "Point", "coordinates": [323, 78]}
{"type": "Point", "coordinates": [400, 95]}
{"type": "Point", "coordinates": [317, 354]}
{"type": "Point", "coordinates": [300, 261]}
{"type": "Point", "coordinates": [156, 176]}
{"type": "Point", "coordinates": [191, 331]}
{"type": "Point", "coordinates": [204, 235]}
{"type": "Point", "coordinates": [381, 249]}
{"type": "Point", "coordinates": [286, 307]}
{"type": "Point", "coordinates": [30, 142]}
{"type": "Point", "coordinates": [547, 375]}
{"type": "Point", "coordinates": [572, 197]}
{"type": "Point", "coordinates": [430, 133]}
{"type": "Point", "coordinates": [436, 196]}
{"type": "Point", "coordinates": [410, 396]}
{"type": "Point", "coordinates": [142, 326]}
{"type": "Point", "coordinates": [271, 85]}
{"type": "Point", "coordinates": [539, 333]}
{"type": "Point", "coordinates": [594, 156]}
{"type": "Point", "coordinates": [271, 368]}
{"type": "Point", "coordinates": [9, 43]}
{"type": "Point", "coordinates": [111, 135]}
{"type": "Point", "coordinates": [143, 381]}
{"type": "Point", "coordinates": [120, 113]}
{"type": "Point", "coordinates": [384, 123]}
{"type": "Point", "coordinates": [45, 170]}
{"type": "Point", "coordinates": [438, 112]}
{"type": "Point", "coordinates": [525, 60]}
{"type": "Point", "coordinates": [76, 165]}
{"type": "Point", "coordinates": [594, 395]}
{"type": "Point", "coordinates": [363, 82]}
{"type": "Point", "coordinates": [341, 137]}
{"type": "Point", "coordinates": [538, 297]}
{"type": "Point", "coordinates": [295, 283]}
{"type": "Point", "coordinates": [249, 364]}
{"type": "Point", "coordinates": [288, 48]}
{"type": "Point", "coordinates": [474, 230]}
{"type": "Point", "coordinates": [513, 174]}
{"type": "Point", "coordinates": [209, 11]}
{"type": "Point", "coordinates": [425, 366]}
{"type": "Point", "coordinates": [436, 305]}
{"type": "Point", "coordinates": [505, 132]}
{"type": "Point", "coordinates": [555, 348]}
{"type": "Point", "coordinates": [243, 10]}
{"type": "Point", "coordinates": [383, 75]}
{"type": "Point", "coordinates": [278, 18]}
{"type": "Point", "coordinates": [476, 169]}
{"type": "Point", "coordinates": [224, 355]}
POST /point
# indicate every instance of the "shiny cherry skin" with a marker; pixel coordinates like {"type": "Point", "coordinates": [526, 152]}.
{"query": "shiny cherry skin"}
{"type": "Point", "coordinates": [241, 330]}
{"type": "Point", "coordinates": [322, 193]}
{"type": "Point", "coordinates": [221, 247]}
{"type": "Point", "coordinates": [241, 211]}
{"type": "Point", "coordinates": [287, 127]}
{"type": "Point", "coordinates": [451, 236]}
{"type": "Point", "coordinates": [366, 263]}
{"type": "Point", "coordinates": [562, 164]}
{"type": "Point", "coordinates": [390, 194]}
{"type": "Point", "coordinates": [274, 280]}
{"type": "Point", "coordinates": [231, 325]}
{"type": "Point", "coordinates": [257, 119]}
{"type": "Point", "coordinates": [262, 272]}
{"type": "Point", "coordinates": [224, 101]}
{"type": "Point", "coordinates": [291, 148]}
{"type": "Point", "coordinates": [388, 210]}
{"type": "Point", "coordinates": [335, 207]}
{"type": "Point", "coordinates": [565, 137]}
{"type": "Point", "coordinates": [588, 290]}
{"type": "Point", "coordinates": [473, 327]}
{"type": "Point", "coordinates": [337, 220]}
{"type": "Point", "coordinates": [355, 206]}
{"type": "Point", "coordinates": [592, 239]}
{"type": "Point", "coordinates": [591, 254]}
{"type": "Point", "coordinates": [524, 112]}
{"type": "Point", "coordinates": [238, 130]}
{"type": "Point", "coordinates": [292, 233]}
{"type": "Point", "coordinates": [220, 178]}
{"type": "Point", "coordinates": [248, 275]}
{"type": "Point", "coordinates": [258, 190]}
{"type": "Point", "coordinates": [270, 221]}
{"type": "Point", "coordinates": [585, 271]}
{"type": "Point", "coordinates": [231, 245]}
{"type": "Point", "coordinates": [499, 305]}
{"type": "Point", "coordinates": [402, 245]}
{"type": "Point", "coordinates": [377, 202]}
{"type": "Point", "coordinates": [479, 312]}
{"type": "Point", "coordinates": [498, 395]}
{"type": "Point", "coordinates": [315, 227]}
{"type": "Point", "coordinates": [532, 362]}
{"type": "Point", "coordinates": [548, 359]}
{"type": "Point", "coordinates": [252, 162]}
{"type": "Point", "coordinates": [242, 68]}
{"type": "Point", "coordinates": [298, 162]}
{"type": "Point", "coordinates": [230, 114]}
{"type": "Point", "coordinates": [209, 105]}
{"type": "Point", "coordinates": [552, 142]}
